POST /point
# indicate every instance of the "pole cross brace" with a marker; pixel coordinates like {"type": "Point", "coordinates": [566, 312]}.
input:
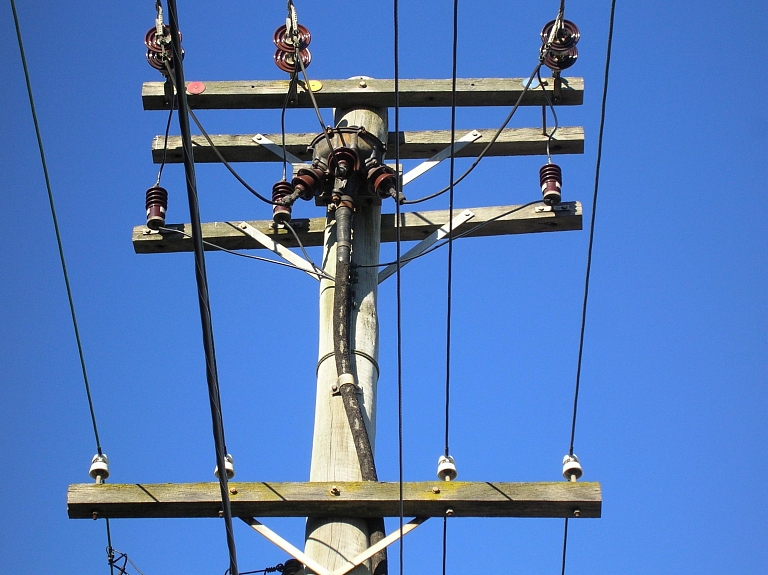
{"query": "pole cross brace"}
{"type": "Point", "coordinates": [427, 165]}
{"type": "Point", "coordinates": [279, 250]}
{"type": "Point", "coordinates": [426, 243]}
{"type": "Point", "coordinates": [262, 140]}
{"type": "Point", "coordinates": [350, 564]}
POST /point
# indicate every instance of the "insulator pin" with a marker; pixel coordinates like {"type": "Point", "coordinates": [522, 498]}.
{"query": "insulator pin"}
{"type": "Point", "coordinates": [99, 467]}
{"type": "Point", "coordinates": [572, 468]}
{"type": "Point", "coordinates": [156, 205]}
{"type": "Point", "coordinates": [229, 467]}
{"type": "Point", "coordinates": [446, 468]}
{"type": "Point", "coordinates": [308, 182]}
{"type": "Point", "coordinates": [551, 180]}
{"type": "Point", "coordinates": [281, 213]}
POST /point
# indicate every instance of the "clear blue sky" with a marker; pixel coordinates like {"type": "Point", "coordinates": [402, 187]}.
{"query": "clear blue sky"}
{"type": "Point", "coordinates": [674, 401]}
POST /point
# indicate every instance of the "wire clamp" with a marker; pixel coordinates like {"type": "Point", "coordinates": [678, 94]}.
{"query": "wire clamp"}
{"type": "Point", "coordinates": [344, 379]}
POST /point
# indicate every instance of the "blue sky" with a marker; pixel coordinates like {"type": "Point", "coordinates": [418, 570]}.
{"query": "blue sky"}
{"type": "Point", "coordinates": [672, 416]}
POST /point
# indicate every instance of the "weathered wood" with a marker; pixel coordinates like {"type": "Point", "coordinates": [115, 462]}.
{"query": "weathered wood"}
{"type": "Point", "coordinates": [355, 499]}
{"type": "Point", "coordinates": [413, 145]}
{"type": "Point", "coordinates": [414, 226]}
{"type": "Point", "coordinates": [332, 541]}
{"type": "Point", "coordinates": [264, 94]}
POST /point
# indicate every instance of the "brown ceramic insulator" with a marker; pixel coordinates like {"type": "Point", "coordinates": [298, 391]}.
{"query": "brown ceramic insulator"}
{"type": "Point", "coordinates": [281, 213]}
{"type": "Point", "coordinates": [156, 205]}
{"type": "Point", "coordinates": [344, 161]}
{"type": "Point", "coordinates": [566, 38]}
{"type": "Point", "coordinates": [286, 61]}
{"type": "Point", "coordinates": [283, 42]}
{"type": "Point", "coordinates": [560, 62]}
{"type": "Point", "coordinates": [308, 182]}
{"type": "Point", "coordinates": [551, 179]}
{"type": "Point", "coordinates": [383, 180]}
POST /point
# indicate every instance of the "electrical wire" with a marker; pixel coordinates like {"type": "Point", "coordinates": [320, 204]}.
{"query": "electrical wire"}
{"type": "Point", "coordinates": [490, 143]}
{"type": "Point", "coordinates": [251, 257]}
{"type": "Point", "coordinates": [598, 163]}
{"type": "Point", "coordinates": [398, 289]}
{"type": "Point", "coordinates": [202, 287]}
{"type": "Point", "coordinates": [125, 559]}
{"type": "Point", "coordinates": [165, 140]}
{"type": "Point", "coordinates": [551, 134]}
{"type": "Point", "coordinates": [56, 228]}
{"type": "Point", "coordinates": [291, 86]}
{"type": "Point", "coordinates": [318, 270]}
{"type": "Point", "coordinates": [213, 146]}
{"type": "Point", "coordinates": [449, 294]}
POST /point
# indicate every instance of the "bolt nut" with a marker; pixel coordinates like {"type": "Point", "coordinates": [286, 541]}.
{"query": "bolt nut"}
{"type": "Point", "coordinates": [233, 491]}
{"type": "Point", "coordinates": [449, 512]}
{"type": "Point", "coordinates": [95, 515]}
{"type": "Point", "coordinates": [335, 491]}
{"type": "Point", "coordinates": [577, 512]}
{"type": "Point", "coordinates": [435, 489]}
{"type": "Point", "coordinates": [221, 513]}
{"type": "Point", "coordinates": [362, 84]}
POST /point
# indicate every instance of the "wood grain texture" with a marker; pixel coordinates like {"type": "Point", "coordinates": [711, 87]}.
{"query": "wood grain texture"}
{"type": "Point", "coordinates": [355, 499]}
{"type": "Point", "coordinates": [413, 145]}
{"type": "Point", "coordinates": [414, 226]}
{"type": "Point", "coordinates": [270, 94]}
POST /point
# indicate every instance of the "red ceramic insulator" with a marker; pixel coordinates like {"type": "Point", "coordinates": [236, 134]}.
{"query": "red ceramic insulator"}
{"type": "Point", "coordinates": [566, 38]}
{"type": "Point", "coordinates": [560, 62]}
{"type": "Point", "coordinates": [281, 213]}
{"type": "Point", "coordinates": [343, 162]}
{"type": "Point", "coordinates": [551, 179]}
{"type": "Point", "coordinates": [157, 204]}
{"type": "Point", "coordinates": [286, 61]}
{"type": "Point", "coordinates": [383, 180]}
{"type": "Point", "coordinates": [155, 44]}
{"type": "Point", "coordinates": [308, 182]}
{"type": "Point", "coordinates": [283, 42]}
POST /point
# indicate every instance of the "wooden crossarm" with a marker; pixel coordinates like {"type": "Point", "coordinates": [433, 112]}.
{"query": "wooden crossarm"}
{"type": "Point", "coordinates": [414, 226]}
{"type": "Point", "coordinates": [413, 145]}
{"type": "Point", "coordinates": [354, 499]}
{"type": "Point", "coordinates": [264, 94]}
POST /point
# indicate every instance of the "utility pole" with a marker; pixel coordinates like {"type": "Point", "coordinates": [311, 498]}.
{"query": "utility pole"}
{"type": "Point", "coordinates": [341, 508]}
{"type": "Point", "coordinates": [331, 541]}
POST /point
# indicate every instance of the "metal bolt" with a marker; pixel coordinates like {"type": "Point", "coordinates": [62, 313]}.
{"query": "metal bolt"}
{"type": "Point", "coordinates": [221, 514]}
{"type": "Point", "coordinates": [95, 515]}
{"type": "Point", "coordinates": [258, 136]}
{"type": "Point", "coordinates": [335, 490]}
{"type": "Point", "coordinates": [435, 490]}
{"type": "Point", "coordinates": [334, 387]}
{"type": "Point", "coordinates": [233, 491]}
{"type": "Point", "coordinates": [449, 512]}
{"type": "Point", "coordinates": [363, 84]}
{"type": "Point", "coordinates": [576, 512]}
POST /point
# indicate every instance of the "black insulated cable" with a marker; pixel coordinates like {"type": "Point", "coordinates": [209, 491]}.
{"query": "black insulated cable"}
{"type": "Point", "coordinates": [202, 285]}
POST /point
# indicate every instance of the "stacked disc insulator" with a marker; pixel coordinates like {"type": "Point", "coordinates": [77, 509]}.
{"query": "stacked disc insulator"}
{"type": "Point", "coordinates": [551, 180]}
{"type": "Point", "coordinates": [159, 49]}
{"type": "Point", "coordinates": [285, 56]}
{"type": "Point", "coordinates": [562, 51]}
{"type": "Point", "coordinates": [281, 213]}
{"type": "Point", "coordinates": [308, 182]}
{"type": "Point", "coordinates": [156, 205]}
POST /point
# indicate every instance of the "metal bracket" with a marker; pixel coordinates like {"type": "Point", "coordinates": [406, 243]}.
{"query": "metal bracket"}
{"type": "Point", "coordinates": [350, 564]}
{"type": "Point", "coordinates": [426, 243]}
{"type": "Point", "coordinates": [262, 140]}
{"type": "Point", "coordinates": [278, 249]}
{"type": "Point", "coordinates": [567, 207]}
{"type": "Point", "coordinates": [427, 165]}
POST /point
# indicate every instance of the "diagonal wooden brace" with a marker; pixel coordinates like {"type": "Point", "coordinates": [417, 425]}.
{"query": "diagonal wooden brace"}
{"type": "Point", "coordinates": [314, 565]}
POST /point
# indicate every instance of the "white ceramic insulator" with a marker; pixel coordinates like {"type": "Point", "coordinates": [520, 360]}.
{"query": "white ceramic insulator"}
{"type": "Point", "coordinates": [99, 467]}
{"type": "Point", "coordinates": [572, 468]}
{"type": "Point", "coordinates": [446, 468]}
{"type": "Point", "coordinates": [229, 467]}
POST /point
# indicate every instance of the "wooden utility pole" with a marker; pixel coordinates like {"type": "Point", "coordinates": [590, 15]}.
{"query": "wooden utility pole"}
{"type": "Point", "coordinates": [338, 505]}
{"type": "Point", "coordinates": [331, 541]}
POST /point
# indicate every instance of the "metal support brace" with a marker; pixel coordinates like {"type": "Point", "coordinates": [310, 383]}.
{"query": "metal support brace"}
{"type": "Point", "coordinates": [440, 156]}
{"type": "Point", "coordinates": [350, 564]}
{"type": "Point", "coordinates": [426, 243]}
{"type": "Point", "coordinates": [262, 140]}
{"type": "Point", "coordinates": [278, 249]}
